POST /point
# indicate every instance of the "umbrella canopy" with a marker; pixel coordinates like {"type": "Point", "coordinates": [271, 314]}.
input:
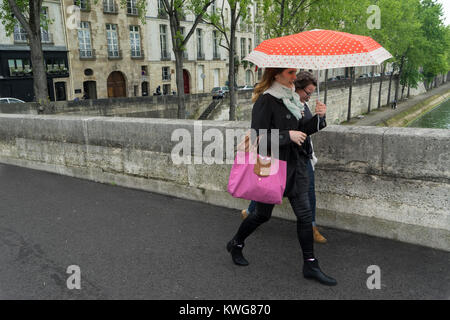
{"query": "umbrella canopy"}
{"type": "Point", "coordinates": [318, 49]}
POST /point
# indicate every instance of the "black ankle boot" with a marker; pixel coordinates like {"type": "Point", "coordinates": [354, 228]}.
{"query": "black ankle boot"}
{"type": "Point", "coordinates": [311, 270]}
{"type": "Point", "coordinates": [236, 253]}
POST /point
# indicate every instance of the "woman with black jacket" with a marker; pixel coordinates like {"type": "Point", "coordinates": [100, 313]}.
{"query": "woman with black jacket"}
{"type": "Point", "coordinates": [277, 106]}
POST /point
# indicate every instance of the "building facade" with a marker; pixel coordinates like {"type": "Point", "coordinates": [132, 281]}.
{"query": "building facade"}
{"type": "Point", "coordinates": [16, 70]}
{"type": "Point", "coordinates": [100, 49]}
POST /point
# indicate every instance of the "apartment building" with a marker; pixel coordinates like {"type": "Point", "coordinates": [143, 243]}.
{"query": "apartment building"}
{"type": "Point", "coordinates": [16, 71]}
{"type": "Point", "coordinates": [100, 49]}
{"type": "Point", "coordinates": [106, 50]}
{"type": "Point", "coordinates": [205, 62]}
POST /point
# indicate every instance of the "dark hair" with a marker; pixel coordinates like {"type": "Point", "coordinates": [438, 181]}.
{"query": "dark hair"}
{"type": "Point", "coordinates": [304, 79]}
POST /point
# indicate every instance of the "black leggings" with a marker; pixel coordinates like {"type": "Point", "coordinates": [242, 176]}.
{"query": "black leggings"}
{"type": "Point", "coordinates": [263, 212]}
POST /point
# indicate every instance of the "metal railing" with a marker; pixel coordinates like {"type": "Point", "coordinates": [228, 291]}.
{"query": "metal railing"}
{"type": "Point", "coordinates": [137, 54]}
{"type": "Point", "coordinates": [200, 56]}
{"type": "Point", "coordinates": [114, 54]}
{"type": "Point", "coordinates": [87, 53]}
{"type": "Point", "coordinates": [165, 55]}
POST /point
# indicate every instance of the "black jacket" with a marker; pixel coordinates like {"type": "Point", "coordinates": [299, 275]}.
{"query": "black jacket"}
{"type": "Point", "coordinates": [271, 113]}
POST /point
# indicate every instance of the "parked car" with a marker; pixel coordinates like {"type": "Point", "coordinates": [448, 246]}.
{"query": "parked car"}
{"type": "Point", "coordinates": [246, 87]}
{"type": "Point", "coordinates": [219, 92]}
{"type": "Point", "coordinates": [11, 100]}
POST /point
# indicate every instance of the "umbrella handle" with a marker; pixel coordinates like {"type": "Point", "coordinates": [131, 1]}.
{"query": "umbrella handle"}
{"type": "Point", "coordinates": [318, 83]}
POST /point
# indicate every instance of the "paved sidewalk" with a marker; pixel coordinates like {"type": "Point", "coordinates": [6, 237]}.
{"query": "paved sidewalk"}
{"type": "Point", "coordinates": [378, 115]}
{"type": "Point", "coordinates": [131, 244]}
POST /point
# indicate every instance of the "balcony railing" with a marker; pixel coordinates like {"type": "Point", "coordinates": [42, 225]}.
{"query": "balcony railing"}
{"type": "Point", "coordinates": [114, 54]}
{"type": "Point", "coordinates": [87, 54]}
{"type": "Point", "coordinates": [110, 8]}
{"type": "Point", "coordinates": [22, 37]}
{"type": "Point", "coordinates": [137, 54]}
{"type": "Point", "coordinates": [46, 37]}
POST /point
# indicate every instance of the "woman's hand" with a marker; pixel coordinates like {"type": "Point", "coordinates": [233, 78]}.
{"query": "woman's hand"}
{"type": "Point", "coordinates": [297, 136]}
{"type": "Point", "coordinates": [321, 109]}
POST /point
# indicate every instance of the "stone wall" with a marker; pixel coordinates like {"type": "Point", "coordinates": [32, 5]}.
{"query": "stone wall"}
{"type": "Point", "coordinates": [142, 107]}
{"type": "Point", "coordinates": [387, 182]}
{"type": "Point", "coordinates": [337, 99]}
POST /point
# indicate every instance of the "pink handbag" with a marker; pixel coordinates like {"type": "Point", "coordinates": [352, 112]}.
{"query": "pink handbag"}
{"type": "Point", "coordinates": [258, 178]}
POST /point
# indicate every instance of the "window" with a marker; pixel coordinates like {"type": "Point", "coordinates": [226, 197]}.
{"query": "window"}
{"type": "Point", "coordinates": [213, 7]}
{"type": "Point", "coordinates": [243, 48]}
{"type": "Point", "coordinates": [163, 39]}
{"type": "Point", "coordinates": [135, 41]}
{"type": "Point", "coordinates": [216, 54]}
{"type": "Point", "coordinates": [132, 8]}
{"type": "Point", "coordinates": [200, 78]}
{"type": "Point", "coordinates": [109, 6]}
{"type": "Point", "coordinates": [249, 26]}
{"type": "Point", "coordinates": [83, 4]}
{"type": "Point", "coordinates": [250, 47]}
{"type": "Point", "coordinates": [166, 73]}
{"type": "Point", "coordinates": [84, 40]}
{"type": "Point", "coordinates": [55, 65]}
{"type": "Point", "coordinates": [20, 34]}
{"type": "Point", "coordinates": [19, 67]}
{"type": "Point", "coordinates": [248, 78]}
{"type": "Point", "coordinates": [45, 35]}
{"type": "Point", "coordinates": [185, 51]}
{"type": "Point", "coordinates": [162, 14]}
{"type": "Point", "coordinates": [113, 41]}
{"type": "Point", "coordinates": [200, 53]}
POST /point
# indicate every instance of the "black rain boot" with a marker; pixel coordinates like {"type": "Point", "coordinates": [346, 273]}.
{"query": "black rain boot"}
{"type": "Point", "coordinates": [311, 270]}
{"type": "Point", "coordinates": [236, 253]}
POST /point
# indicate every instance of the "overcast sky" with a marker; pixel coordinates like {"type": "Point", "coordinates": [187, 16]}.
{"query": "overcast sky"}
{"type": "Point", "coordinates": [446, 7]}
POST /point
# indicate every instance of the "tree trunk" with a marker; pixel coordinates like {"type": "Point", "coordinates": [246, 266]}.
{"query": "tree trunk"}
{"type": "Point", "coordinates": [397, 81]}
{"type": "Point", "coordinates": [407, 95]}
{"type": "Point", "coordinates": [370, 90]}
{"type": "Point", "coordinates": [231, 70]}
{"type": "Point", "coordinates": [389, 90]}
{"type": "Point", "coordinates": [39, 73]}
{"type": "Point", "coordinates": [326, 87]}
{"type": "Point", "coordinates": [349, 112]}
{"type": "Point", "coordinates": [383, 69]}
{"type": "Point", "coordinates": [176, 48]}
{"type": "Point", "coordinates": [181, 114]}
{"type": "Point", "coordinates": [33, 28]}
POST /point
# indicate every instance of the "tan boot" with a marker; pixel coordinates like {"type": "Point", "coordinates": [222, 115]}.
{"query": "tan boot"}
{"type": "Point", "coordinates": [318, 237]}
{"type": "Point", "coordinates": [244, 214]}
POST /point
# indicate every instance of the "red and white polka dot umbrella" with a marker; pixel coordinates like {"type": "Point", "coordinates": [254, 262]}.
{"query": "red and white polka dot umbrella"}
{"type": "Point", "coordinates": [318, 49]}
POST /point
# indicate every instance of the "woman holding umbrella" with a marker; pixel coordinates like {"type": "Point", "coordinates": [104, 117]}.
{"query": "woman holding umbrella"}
{"type": "Point", "coordinates": [278, 106]}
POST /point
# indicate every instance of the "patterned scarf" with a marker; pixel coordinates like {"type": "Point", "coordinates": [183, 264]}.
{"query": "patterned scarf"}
{"type": "Point", "coordinates": [290, 98]}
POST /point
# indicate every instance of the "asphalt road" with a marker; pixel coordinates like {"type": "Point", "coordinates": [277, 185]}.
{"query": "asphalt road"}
{"type": "Point", "coordinates": [130, 244]}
